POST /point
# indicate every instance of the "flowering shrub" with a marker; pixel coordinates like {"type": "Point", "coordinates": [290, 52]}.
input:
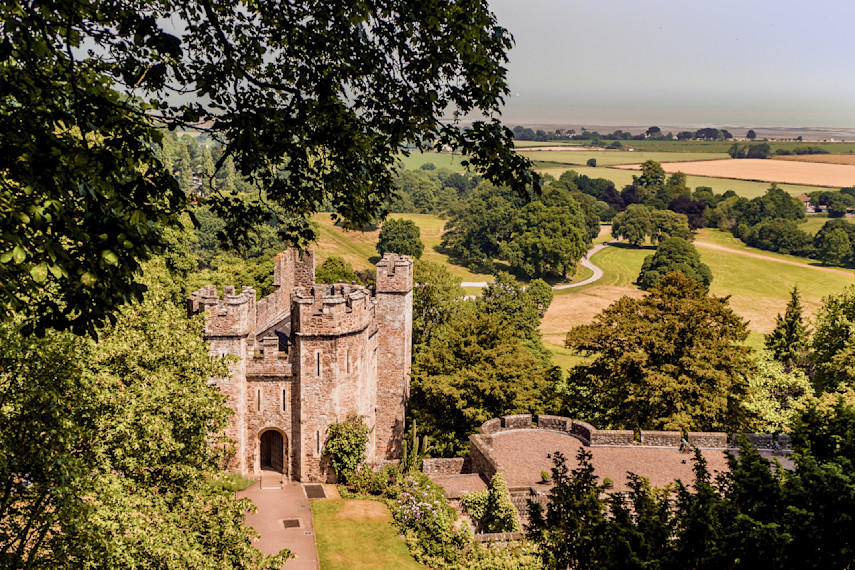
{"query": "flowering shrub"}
{"type": "Point", "coordinates": [368, 481]}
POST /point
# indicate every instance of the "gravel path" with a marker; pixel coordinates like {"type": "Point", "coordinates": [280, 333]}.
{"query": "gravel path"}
{"type": "Point", "coordinates": [585, 262]}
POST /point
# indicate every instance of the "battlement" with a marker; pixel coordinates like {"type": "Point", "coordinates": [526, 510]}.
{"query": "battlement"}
{"type": "Point", "coordinates": [271, 363]}
{"type": "Point", "coordinates": [331, 310]}
{"type": "Point", "coordinates": [394, 274]}
{"type": "Point", "coordinates": [233, 315]}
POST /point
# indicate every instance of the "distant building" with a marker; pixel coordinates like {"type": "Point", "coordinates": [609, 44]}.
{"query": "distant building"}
{"type": "Point", "coordinates": [804, 199]}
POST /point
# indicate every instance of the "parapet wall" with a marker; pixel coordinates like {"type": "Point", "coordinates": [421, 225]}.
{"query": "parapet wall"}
{"type": "Point", "coordinates": [394, 274]}
{"type": "Point", "coordinates": [447, 466]}
{"type": "Point", "coordinates": [231, 316]}
{"type": "Point", "coordinates": [594, 437]}
{"type": "Point", "coordinates": [331, 310]}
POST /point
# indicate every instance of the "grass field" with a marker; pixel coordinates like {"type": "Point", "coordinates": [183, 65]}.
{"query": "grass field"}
{"type": "Point", "coordinates": [695, 146]}
{"type": "Point", "coordinates": [829, 175]}
{"type": "Point", "coordinates": [758, 283]}
{"type": "Point", "coordinates": [358, 534]}
{"type": "Point", "coordinates": [358, 248]}
{"type": "Point", "coordinates": [822, 158]}
{"type": "Point", "coordinates": [611, 157]}
{"type": "Point", "coordinates": [814, 222]}
{"type": "Point", "coordinates": [744, 188]}
{"type": "Point", "coordinates": [440, 160]}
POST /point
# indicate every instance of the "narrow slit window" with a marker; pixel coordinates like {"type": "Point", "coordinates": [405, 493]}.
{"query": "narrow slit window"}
{"type": "Point", "coordinates": [258, 400]}
{"type": "Point", "coordinates": [284, 400]}
{"type": "Point", "coordinates": [318, 361]}
{"type": "Point", "coordinates": [347, 361]}
{"type": "Point", "coordinates": [318, 438]}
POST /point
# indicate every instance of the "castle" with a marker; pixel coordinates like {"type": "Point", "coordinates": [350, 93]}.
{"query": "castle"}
{"type": "Point", "coordinates": [309, 356]}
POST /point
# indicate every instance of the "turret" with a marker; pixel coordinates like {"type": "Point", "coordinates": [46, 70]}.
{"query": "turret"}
{"type": "Point", "coordinates": [394, 295]}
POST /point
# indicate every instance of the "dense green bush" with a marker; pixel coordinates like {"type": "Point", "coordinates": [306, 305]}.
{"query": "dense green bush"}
{"type": "Point", "coordinates": [345, 445]}
{"type": "Point", "coordinates": [492, 507]}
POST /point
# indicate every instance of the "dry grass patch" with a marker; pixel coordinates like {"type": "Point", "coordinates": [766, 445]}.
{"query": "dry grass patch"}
{"type": "Point", "coordinates": [809, 173]}
{"type": "Point", "coordinates": [820, 158]}
{"type": "Point", "coordinates": [364, 510]}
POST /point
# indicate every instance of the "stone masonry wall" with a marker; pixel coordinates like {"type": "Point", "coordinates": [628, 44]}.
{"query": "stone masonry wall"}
{"type": "Point", "coordinates": [481, 456]}
{"type": "Point", "coordinates": [394, 296]}
{"type": "Point", "coordinates": [447, 466]}
{"type": "Point", "coordinates": [661, 438]}
{"type": "Point", "coordinates": [706, 439]}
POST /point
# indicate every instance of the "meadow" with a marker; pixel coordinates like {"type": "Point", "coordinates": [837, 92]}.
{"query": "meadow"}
{"type": "Point", "coordinates": [698, 146]}
{"type": "Point", "coordinates": [758, 283]}
{"type": "Point", "coordinates": [438, 159]}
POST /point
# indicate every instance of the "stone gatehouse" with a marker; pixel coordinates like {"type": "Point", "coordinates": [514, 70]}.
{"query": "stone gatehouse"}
{"type": "Point", "coordinates": [308, 356]}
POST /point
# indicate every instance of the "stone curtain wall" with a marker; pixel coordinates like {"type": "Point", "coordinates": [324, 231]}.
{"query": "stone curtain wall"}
{"type": "Point", "coordinates": [447, 466]}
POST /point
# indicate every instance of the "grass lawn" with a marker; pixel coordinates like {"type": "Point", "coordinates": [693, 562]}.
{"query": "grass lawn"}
{"type": "Point", "coordinates": [358, 534]}
{"type": "Point", "coordinates": [814, 222]}
{"type": "Point", "coordinates": [609, 157]}
{"type": "Point", "coordinates": [758, 283]}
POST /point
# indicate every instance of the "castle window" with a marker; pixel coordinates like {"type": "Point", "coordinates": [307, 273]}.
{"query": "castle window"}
{"type": "Point", "coordinates": [318, 360]}
{"type": "Point", "coordinates": [318, 438]}
{"type": "Point", "coordinates": [258, 400]}
{"type": "Point", "coordinates": [284, 400]}
{"type": "Point", "coordinates": [347, 361]}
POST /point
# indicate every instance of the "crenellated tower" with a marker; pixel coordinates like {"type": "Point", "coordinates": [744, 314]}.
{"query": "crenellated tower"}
{"type": "Point", "coordinates": [309, 356]}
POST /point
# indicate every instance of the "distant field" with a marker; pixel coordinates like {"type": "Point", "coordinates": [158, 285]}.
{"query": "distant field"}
{"type": "Point", "coordinates": [746, 188]}
{"type": "Point", "coordinates": [830, 175]}
{"type": "Point", "coordinates": [611, 157]}
{"type": "Point", "coordinates": [440, 160]}
{"type": "Point", "coordinates": [758, 282]}
{"type": "Point", "coordinates": [814, 222]}
{"type": "Point", "coordinates": [358, 248]}
{"type": "Point", "coordinates": [823, 158]}
{"type": "Point", "coordinates": [695, 146]}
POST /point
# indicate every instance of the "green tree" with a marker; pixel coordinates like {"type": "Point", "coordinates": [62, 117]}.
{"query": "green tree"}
{"type": "Point", "coordinates": [634, 224]}
{"type": "Point", "coordinates": [674, 255]}
{"type": "Point", "coordinates": [471, 370]}
{"type": "Point", "coordinates": [775, 395]}
{"type": "Point", "coordinates": [548, 236]}
{"type": "Point", "coordinates": [569, 533]}
{"type": "Point", "coordinates": [492, 507]}
{"type": "Point", "coordinates": [834, 247]}
{"type": "Point", "coordinates": [109, 451]}
{"type": "Point", "coordinates": [435, 299]}
{"type": "Point", "coordinates": [402, 237]}
{"type": "Point", "coordinates": [652, 176]}
{"type": "Point", "coordinates": [751, 135]}
{"type": "Point", "coordinates": [315, 117]}
{"type": "Point", "coordinates": [673, 359]}
{"type": "Point", "coordinates": [334, 269]}
{"type": "Point", "coordinates": [521, 307]}
{"type": "Point", "coordinates": [668, 224]}
{"type": "Point", "coordinates": [833, 345]}
{"type": "Point", "coordinates": [789, 341]}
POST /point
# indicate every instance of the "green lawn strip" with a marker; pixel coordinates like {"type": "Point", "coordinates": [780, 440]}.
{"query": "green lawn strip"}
{"type": "Point", "coordinates": [814, 223]}
{"type": "Point", "coordinates": [563, 357]}
{"type": "Point", "coordinates": [746, 188]}
{"type": "Point", "coordinates": [345, 543]}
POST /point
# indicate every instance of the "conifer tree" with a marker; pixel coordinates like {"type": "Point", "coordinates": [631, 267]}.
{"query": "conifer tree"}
{"type": "Point", "coordinates": [788, 342]}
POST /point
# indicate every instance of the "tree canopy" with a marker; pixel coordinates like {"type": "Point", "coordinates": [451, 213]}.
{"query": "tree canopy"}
{"type": "Point", "coordinates": [674, 255]}
{"type": "Point", "coordinates": [673, 359]}
{"type": "Point", "coordinates": [312, 116]}
{"type": "Point", "coordinates": [402, 237]}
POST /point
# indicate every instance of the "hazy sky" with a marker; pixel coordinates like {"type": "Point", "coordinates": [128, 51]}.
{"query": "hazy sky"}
{"type": "Point", "coordinates": [687, 62]}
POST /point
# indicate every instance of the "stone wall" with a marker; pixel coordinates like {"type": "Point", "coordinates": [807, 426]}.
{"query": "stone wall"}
{"type": "Point", "coordinates": [518, 421]}
{"type": "Point", "coordinates": [764, 440]}
{"type": "Point", "coordinates": [583, 430]}
{"type": "Point", "coordinates": [447, 466]}
{"type": "Point", "coordinates": [707, 439]}
{"type": "Point", "coordinates": [394, 297]}
{"type": "Point", "coordinates": [555, 423]}
{"type": "Point", "coordinates": [612, 437]}
{"type": "Point", "coordinates": [481, 456]}
{"type": "Point", "coordinates": [661, 438]}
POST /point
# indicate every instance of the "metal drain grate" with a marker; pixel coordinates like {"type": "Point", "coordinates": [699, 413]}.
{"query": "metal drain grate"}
{"type": "Point", "coordinates": [315, 491]}
{"type": "Point", "coordinates": [291, 523]}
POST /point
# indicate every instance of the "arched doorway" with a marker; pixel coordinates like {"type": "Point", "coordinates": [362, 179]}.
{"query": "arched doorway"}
{"type": "Point", "coordinates": [272, 451]}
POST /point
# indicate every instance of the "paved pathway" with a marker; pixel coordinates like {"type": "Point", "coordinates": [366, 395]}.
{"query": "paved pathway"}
{"type": "Point", "coordinates": [280, 500]}
{"type": "Point", "coordinates": [585, 262]}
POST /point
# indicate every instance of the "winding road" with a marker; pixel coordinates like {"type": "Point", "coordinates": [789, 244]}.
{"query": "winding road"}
{"type": "Point", "coordinates": [585, 262]}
